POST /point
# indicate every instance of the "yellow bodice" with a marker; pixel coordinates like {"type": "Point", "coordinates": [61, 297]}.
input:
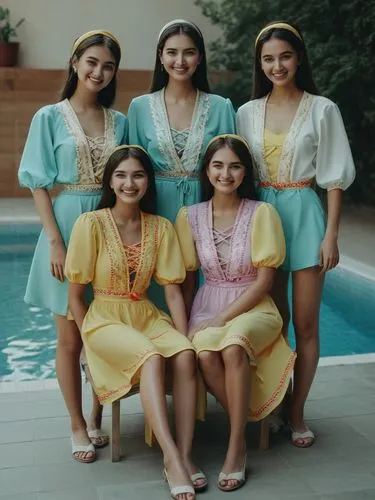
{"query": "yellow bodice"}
{"type": "Point", "coordinates": [273, 144]}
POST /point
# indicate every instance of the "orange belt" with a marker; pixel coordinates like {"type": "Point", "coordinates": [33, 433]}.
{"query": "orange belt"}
{"type": "Point", "coordinates": [287, 185]}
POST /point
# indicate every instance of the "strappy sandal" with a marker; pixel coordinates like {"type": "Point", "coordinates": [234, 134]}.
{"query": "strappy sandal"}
{"type": "Point", "coordinates": [199, 488]}
{"type": "Point", "coordinates": [239, 476]}
{"type": "Point", "coordinates": [98, 438]}
{"type": "Point", "coordinates": [307, 434]}
{"type": "Point", "coordinates": [81, 448]}
{"type": "Point", "coordinates": [178, 490]}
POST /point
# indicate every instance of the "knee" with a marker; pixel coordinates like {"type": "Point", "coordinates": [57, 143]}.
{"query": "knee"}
{"type": "Point", "coordinates": [208, 359]}
{"type": "Point", "coordinates": [185, 363]}
{"type": "Point", "coordinates": [306, 328]}
{"type": "Point", "coordinates": [234, 355]}
{"type": "Point", "coordinates": [71, 346]}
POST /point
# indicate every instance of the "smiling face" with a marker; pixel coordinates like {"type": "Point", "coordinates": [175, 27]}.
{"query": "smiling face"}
{"type": "Point", "coordinates": [180, 57]}
{"type": "Point", "coordinates": [95, 68]}
{"type": "Point", "coordinates": [129, 181]}
{"type": "Point", "coordinates": [279, 61]}
{"type": "Point", "coordinates": [225, 171]}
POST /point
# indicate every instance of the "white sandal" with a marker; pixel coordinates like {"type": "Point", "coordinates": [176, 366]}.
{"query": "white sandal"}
{"type": "Point", "coordinates": [239, 476]}
{"type": "Point", "coordinates": [98, 438]}
{"type": "Point", "coordinates": [82, 448]}
{"type": "Point", "coordinates": [307, 434]}
{"type": "Point", "coordinates": [178, 490]}
{"type": "Point", "coordinates": [196, 477]}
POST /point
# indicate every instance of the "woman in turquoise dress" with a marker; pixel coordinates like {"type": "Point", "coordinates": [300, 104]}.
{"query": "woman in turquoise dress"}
{"type": "Point", "coordinates": [177, 119]}
{"type": "Point", "coordinates": [68, 145]}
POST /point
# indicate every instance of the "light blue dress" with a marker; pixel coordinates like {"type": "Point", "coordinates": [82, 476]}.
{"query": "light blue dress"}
{"type": "Point", "coordinates": [57, 152]}
{"type": "Point", "coordinates": [177, 180]}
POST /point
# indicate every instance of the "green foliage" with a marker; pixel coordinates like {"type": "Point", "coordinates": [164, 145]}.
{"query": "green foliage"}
{"type": "Point", "coordinates": [6, 29]}
{"type": "Point", "coordinates": [340, 38]}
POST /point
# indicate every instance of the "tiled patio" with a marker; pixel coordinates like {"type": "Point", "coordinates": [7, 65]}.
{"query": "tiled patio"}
{"type": "Point", "coordinates": [35, 461]}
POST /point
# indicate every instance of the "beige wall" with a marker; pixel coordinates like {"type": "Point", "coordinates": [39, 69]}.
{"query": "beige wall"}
{"type": "Point", "coordinates": [51, 26]}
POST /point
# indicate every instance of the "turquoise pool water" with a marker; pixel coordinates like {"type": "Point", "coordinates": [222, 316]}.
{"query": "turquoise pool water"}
{"type": "Point", "coordinates": [28, 339]}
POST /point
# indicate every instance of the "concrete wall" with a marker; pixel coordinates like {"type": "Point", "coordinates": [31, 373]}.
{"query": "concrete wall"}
{"type": "Point", "coordinates": [51, 26]}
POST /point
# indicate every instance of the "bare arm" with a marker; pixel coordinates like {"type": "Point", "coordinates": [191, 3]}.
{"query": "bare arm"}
{"type": "Point", "coordinates": [77, 305]}
{"type": "Point", "coordinates": [329, 252]}
{"type": "Point", "coordinates": [189, 287]}
{"type": "Point", "coordinates": [176, 305]}
{"type": "Point", "coordinates": [43, 205]}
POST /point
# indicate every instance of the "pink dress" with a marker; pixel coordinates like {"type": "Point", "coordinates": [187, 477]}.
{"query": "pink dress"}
{"type": "Point", "coordinates": [229, 260]}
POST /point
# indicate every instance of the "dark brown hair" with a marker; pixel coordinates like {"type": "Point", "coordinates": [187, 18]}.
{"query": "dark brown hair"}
{"type": "Point", "coordinates": [107, 95]}
{"type": "Point", "coordinates": [304, 80]}
{"type": "Point", "coordinates": [247, 187]}
{"type": "Point", "coordinates": [108, 199]}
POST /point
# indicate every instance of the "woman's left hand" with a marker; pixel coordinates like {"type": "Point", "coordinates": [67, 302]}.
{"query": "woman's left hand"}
{"type": "Point", "coordinates": [216, 322]}
{"type": "Point", "coordinates": [329, 254]}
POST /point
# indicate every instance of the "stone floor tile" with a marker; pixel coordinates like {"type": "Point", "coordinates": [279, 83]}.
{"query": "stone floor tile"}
{"type": "Point", "coordinates": [85, 493]}
{"type": "Point", "coordinates": [16, 455]}
{"type": "Point", "coordinates": [19, 480]}
{"type": "Point", "coordinates": [16, 432]}
{"type": "Point", "coordinates": [58, 476]}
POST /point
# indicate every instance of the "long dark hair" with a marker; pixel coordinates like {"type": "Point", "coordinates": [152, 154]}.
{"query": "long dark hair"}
{"type": "Point", "coordinates": [199, 78]}
{"type": "Point", "coordinates": [239, 148]}
{"type": "Point", "coordinates": [108, 199]}
{"type": "Point", "coordinates": [304, 79]}
{"type": "Point", "coordinates": [107, 95]}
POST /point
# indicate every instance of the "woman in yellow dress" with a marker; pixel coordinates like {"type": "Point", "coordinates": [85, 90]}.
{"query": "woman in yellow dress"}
{"type": "Point", "coordinates": [234, 324]}
{"type": "Point", "coordinates": [118, 249]}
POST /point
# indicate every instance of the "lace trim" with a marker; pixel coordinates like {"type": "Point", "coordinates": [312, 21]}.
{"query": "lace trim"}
{"type": "Point", "coordinates": [289, 146]}
{"type": "Point", "coordinates": [193, 148]}
{"type": "Point", "coordinates": [222, 240]}
{"type": "Point", "coordinates": [86, 172]}
{"type": "Point", "coordinates": [133, 255]}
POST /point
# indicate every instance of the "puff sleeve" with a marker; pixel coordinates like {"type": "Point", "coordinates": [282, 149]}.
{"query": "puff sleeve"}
{"type": "Point", "coordinates": [185, 237]}
{"type": "Point", "coordinates": [334, 161]}
{"type": "Point", "coordinates": [267, 238]}
{"type": "Point", "coordinates": [169, 266]}
{"type": "Point", "coordinates": [82, 250]}
{"type": "Point", "coordinates": [38, 168]}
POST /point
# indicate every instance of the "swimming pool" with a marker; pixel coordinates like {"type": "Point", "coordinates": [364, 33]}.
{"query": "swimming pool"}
{"type": "Point", "coordinates": [28, 338]}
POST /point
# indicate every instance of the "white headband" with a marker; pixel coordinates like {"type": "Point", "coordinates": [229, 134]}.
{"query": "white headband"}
{"type": "Point", "coordinates": [180, 21]}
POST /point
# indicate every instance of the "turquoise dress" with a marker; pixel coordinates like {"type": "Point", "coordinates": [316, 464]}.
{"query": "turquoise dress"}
{"type": "Point", "coordinates": [57, 152]}
{"type": "Point", "coordinates": [177, 180]}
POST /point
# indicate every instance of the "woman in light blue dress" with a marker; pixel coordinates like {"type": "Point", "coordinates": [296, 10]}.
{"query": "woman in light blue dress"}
{"type": "Point", "coordinates": [67, 145]}
{"type": "Point", "coordinates": [177, 119]}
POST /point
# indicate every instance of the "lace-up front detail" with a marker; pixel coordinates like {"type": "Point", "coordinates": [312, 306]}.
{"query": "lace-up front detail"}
{"type": "Point", "coordinates": [96, 145]}
{"type": "Point", "coordinates": [222, 241]}
{"type": "Point", "coordinates": [133, 255]}
{"type": "Point", "coordinates": [179, 138]}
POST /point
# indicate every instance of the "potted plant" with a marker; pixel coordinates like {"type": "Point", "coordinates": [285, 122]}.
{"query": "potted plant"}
{"type": "Point", "coordinates": [8, 49]}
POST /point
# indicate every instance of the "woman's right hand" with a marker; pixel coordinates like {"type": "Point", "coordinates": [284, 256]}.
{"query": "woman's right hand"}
{"type": "Point", "coordinates": [58, 255]}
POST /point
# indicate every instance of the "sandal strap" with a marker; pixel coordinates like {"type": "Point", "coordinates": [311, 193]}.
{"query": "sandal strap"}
{"type": "Point", "coordinates": [235, 476]}
{"type": "Point", "coordinates": [180, 490]}
{"type": "Point", "coordinates": [82, 448]}
{"type": "Point", "coordinates": [197, 476]}
{"type": "Point", "coordinates": [307, 434]}
{"type": "Point", "coordinates": [97, 433]}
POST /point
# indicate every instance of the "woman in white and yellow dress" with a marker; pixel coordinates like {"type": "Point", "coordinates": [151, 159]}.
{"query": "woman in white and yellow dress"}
{"type": "Point", "coordinates": [234, 324]}
{"type": "Point", "coordinates": [118, 249]}
{"type": "Point", "coordinates": [297, 138]}
{"type": "Point", "coordinates": [67, 146]}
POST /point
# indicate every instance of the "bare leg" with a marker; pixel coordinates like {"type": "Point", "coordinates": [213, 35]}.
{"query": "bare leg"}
{"type": "Point", "coordinates": [237, 385]}
{"type": "Point", "coordinates": [155, 408]}
{"type": "Point", "coordinates": [307, 292]}
{"type": "Point", "coordinates": [184, 402]}
{"type": "Point", "coordinates": [69, 345]}
{"type": "Point", "coordinates": [279, 293]}
{"type": "Point", "coordinates": [212, 368]}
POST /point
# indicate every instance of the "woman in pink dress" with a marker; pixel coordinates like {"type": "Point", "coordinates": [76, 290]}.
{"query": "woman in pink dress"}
{"type": "Point", "coordinates": [234, 324]}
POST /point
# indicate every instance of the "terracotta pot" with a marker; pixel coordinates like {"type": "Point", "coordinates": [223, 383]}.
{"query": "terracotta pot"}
{"type": "Point", "coordinates": [8, 53]}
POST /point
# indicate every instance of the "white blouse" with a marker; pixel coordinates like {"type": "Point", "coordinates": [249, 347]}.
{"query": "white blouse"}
{"type": "Point", "coordinates": [316, 146]}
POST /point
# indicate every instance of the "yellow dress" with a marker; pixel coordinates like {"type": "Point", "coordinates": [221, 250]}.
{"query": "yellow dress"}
{"type": "Point", "coordinates": [255, 240]}
{"type": "Point", "coordinates": [122, 328]}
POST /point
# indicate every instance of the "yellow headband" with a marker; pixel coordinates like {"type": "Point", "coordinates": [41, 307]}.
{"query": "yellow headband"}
{"type": "Point", "coordinates": [231, 136]}
{"type": "Point", "coordinates": [80, 39]}
{"type": "Point", "coordinates": [128, 146]}
{"type": "Point", "coordinates": [283, 26]}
